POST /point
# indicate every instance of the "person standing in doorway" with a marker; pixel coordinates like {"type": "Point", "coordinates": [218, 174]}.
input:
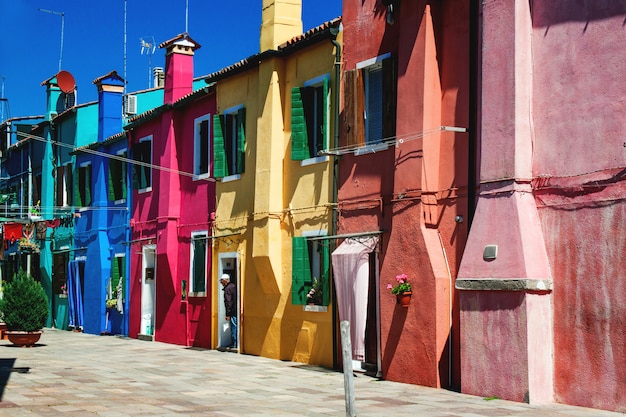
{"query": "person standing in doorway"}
{"type": "Point", "coordinates": [230, 303]}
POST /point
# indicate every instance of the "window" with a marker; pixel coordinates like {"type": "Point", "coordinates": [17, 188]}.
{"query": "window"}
{"type": "Point", "coordinates": [117, 177]}
{"type": "Point", "coordinates": [83, 186]}
{"type": "Point", "coordinates": [198, 273]}
{"type": "Point", "coordinates": [370, 96]}
{"type": "Point", "coordinates": [229, 142]}
{"type": "Point", "coordinates": [310, 270]}
{"type": "Point", "coordinates": [201, 146]}
{"type": "Point", "coordinates": [118, 268]}
{"type": "Point", "coordinates": [142, 172]}
{"type": "Point", "coordinates": [309, 119]}
{"type": "Point", "coordinates": [37, 190]}
{"type": "Point", "coordinates": [59, 175]}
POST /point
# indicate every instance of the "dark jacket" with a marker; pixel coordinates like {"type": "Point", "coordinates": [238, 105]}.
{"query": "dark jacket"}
{"type": "Point", "coordinates": [230, 299]}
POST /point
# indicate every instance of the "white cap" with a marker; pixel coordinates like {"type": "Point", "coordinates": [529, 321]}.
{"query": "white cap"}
{"type": "Point", "coordinates": [225, 276]}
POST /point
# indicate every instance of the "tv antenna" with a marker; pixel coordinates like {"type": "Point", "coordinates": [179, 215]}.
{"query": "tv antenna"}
{"type": "Point", "coordinates": [4, 104]}
{"type": "Point", "coordinates": [62, 30]}
{"type": "Point", "coordinates": [148, 46]}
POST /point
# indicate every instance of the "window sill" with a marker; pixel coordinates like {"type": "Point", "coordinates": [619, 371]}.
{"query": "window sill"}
{"type": "Point", "coordinates": [83, 209]}
{"type": "Point", "coordinates": [230, 178]}
{"type": "Point", "coordinates": [199, 177]}
{"type": "Point", "coordinates": [367, 149]}
{"type": "Point", "coordinates": [313, 161]}
{"type": "Point", "coordinates": [144, 190]}
{"type": "Point", "coordinates": [315, 308]}
{"type": "Point", "coordinates": [197, 294]}
{"type": "Point", "coordinates": [120, 201]}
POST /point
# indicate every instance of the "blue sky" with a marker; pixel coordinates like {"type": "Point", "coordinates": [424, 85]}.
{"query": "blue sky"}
{"type": "Point", "coordinates": [93, 40]}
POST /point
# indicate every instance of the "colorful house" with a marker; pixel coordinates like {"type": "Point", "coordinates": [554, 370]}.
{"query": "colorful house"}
{"type": "Point", "coordinates": [541, 281]}
{"type": "Point", "coordinates": [274, 189]}
{"type": "Point", "coordinates": [403, 184]}
{"type": "Point", "coordinates": [101, 223]}
{"type": "Point", "coordinates": [18, 189]}
{"type": "Point", "coordinates": [71, 125]}
{"type": "Point", "coordinates": [172, 198]}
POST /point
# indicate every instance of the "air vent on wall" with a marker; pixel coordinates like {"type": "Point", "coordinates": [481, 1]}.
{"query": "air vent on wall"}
{"type": "Point", "coordinates": [130, 104]}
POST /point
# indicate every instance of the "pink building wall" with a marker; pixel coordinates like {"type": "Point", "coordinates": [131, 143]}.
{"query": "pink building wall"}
{"type": "Point", "coordinates": [176, 206]}
{"type": "Point", "coordinates": [551, 164]}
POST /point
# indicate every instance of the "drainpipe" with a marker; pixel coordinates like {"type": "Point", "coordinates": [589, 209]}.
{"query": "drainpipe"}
{"type": "Point", "coordinates": [333, 227]}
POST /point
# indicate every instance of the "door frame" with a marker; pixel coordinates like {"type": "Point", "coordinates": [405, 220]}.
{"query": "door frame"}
{"type": "Point", "coordinates": [148, 292]}
{"type": "Point", "coordinates": [228, 262]}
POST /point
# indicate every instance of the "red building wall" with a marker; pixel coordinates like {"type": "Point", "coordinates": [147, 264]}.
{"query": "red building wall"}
{"type": "Point", "coordinates": [414, 191]}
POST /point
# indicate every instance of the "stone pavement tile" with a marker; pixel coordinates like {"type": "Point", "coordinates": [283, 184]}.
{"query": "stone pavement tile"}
{"type": "Point", "coordinates": [119, 377]}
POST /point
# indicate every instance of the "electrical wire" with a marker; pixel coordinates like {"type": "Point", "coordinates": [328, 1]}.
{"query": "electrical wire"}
{"type": "Point", "coordinates": [117, 157]}
{"type": "Point", "coordinates": [391, 140]}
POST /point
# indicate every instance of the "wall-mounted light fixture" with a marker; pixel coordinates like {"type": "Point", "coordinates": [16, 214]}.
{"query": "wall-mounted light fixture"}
{"type": "Point", "coordinates": [490, 252]}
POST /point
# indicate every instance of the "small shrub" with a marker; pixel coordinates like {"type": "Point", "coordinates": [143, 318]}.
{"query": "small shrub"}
{"type": "Point", "coordinates": [24, 305]}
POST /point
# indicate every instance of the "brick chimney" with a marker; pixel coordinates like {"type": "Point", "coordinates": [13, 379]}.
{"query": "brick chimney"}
{"type": "Point", "coordinates": [178, 67]}
{"type": "Point", "coordinates": [281, 20]}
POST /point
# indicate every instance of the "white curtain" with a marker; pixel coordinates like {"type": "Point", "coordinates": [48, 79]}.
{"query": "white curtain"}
{"type": "Point", "coordinates": [351, 272]}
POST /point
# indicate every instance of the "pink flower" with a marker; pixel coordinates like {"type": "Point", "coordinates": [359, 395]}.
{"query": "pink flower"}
{"type": "Point", "coordinates": [389, 286]}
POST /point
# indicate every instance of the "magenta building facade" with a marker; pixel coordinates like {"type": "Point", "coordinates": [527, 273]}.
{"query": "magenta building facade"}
{"type": "Point", "coordinates": [170, 219]}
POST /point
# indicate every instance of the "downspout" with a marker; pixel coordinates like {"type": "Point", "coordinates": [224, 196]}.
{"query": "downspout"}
{"type": "Point", "coordinates": [334, 32]}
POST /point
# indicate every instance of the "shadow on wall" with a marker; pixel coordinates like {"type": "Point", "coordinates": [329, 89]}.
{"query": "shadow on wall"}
{"type": "Point", "coordinates": [393, 337]}
{"type": "Point", "coordinates": [545, 13]}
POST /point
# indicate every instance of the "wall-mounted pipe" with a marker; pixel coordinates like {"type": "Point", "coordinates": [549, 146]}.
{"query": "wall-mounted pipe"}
{"type": "Point", "coordinates": [335, 31]}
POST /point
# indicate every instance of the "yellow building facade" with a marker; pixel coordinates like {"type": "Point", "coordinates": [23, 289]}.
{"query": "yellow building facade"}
{"type": "Point", "coordinates": [276, 113]}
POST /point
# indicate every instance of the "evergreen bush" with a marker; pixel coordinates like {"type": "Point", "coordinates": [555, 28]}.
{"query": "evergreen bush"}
{"type": "Point", "coordinates": [24, 305]}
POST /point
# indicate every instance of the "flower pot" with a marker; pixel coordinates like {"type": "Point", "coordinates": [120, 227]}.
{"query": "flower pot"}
{"type": "Point", "coordinates": [24, 339]}
{"type": "Point", "coordinates": [404, 299]}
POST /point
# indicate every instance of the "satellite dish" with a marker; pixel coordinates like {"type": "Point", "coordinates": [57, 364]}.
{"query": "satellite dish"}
{"type": "Point", "coordinates": [66, 82]}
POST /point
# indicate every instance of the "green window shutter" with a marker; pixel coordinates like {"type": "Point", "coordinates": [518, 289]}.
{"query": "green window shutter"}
{"type": "Point", "coordinates": [241, 140]}
{"type": "Point", "coordinates": [300, 270]}
{"type": "Point", "coordinates": [325, 255]}
{"type": "Point", "coordinates": [77, 197]}
{"type": "Point", "coordinates": [299, 139]}
{"type": "Point", "coordinates": [220, 169]}
{"type": "Point", "coordinates": [115, 273]}
{"type": "Point", "coordinates": [111, 181]}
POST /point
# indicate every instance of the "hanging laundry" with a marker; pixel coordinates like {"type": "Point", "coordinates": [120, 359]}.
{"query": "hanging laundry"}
{"type": "Point", "coordinates": [40, 229]}
{"type": "Point", "coordinates": [53, 223]}
{"type": "Point", "coordinates": [12, 231]}
{"type": "Point", "coordinates": [28, 230]}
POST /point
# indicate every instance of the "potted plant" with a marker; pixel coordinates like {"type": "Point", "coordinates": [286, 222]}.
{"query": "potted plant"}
{"type": "Point", "coordinates": [314, 296]}
{"type": "Point", "coordinates": [402, 290]}
{"type": "Point", "coordinates": [24, 309]}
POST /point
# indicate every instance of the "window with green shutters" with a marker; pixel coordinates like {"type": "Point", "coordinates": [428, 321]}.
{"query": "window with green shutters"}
{"type": "Point", "coordinates": [118, 268]}
{"type": "Point", "coordinates": [142, 172]}
{"type": "Point", "coordinates": [229, 142]}
{"type": "Point", "coordinates": [82, 192]}
{"type": "Point", "coordinates": [117, 178]}
{"type": "Point", "coordinates": [310, 271]}
{"type": "Point", "coordinates": [198, 262]}
{"type": "Point", "coordinates": [309, 119]}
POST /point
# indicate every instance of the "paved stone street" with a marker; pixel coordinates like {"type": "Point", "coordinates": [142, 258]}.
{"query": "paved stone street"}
{"type": "Point", "coordinates": [75, 374]}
